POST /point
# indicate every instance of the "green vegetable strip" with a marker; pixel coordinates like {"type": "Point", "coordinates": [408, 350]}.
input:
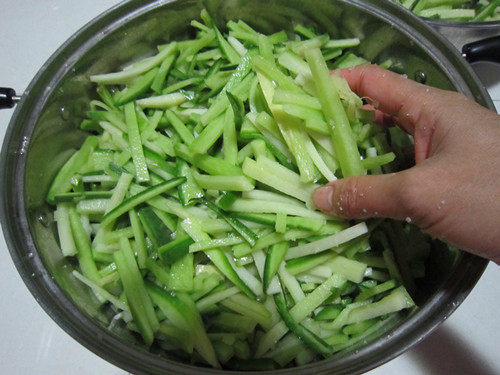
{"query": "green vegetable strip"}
{"type": "Point", "coordinates": [310, 339]}
{"type": "Point", "coordinates": [135, 275]}
{"type": "Point", "coordinates": [274, 258]}
{"type": "Point", "coordinates": [278, 177]}
{"type": "Point", "coordinates": [208, 137]}
{"type": "Point", "coordinates": [99, 291]}
{"type": "Point", "coordinates": [183, 314]}
{"type": "Point", "coordinates": [327, 242]}
{"type": "Point", "coordinates": [299, 312]}
{"type": "Point", "coordinates": [377, 161]}
{"type": "Point", "coordinates": [140, 242]}
{"type": "Point", "coordinates": [190, 189]}
{"type": "Point", "coordinates": [179, 127]}
{"type": "Point", "coordinates": [135, 143]}
{"type": "Point", "coordinates": [175, 249]}
{"type": "Point", "coordinates": [135, 298]}
{"type": "Point", "coordinates": [214, 298]}
{"type": "Point", "coordinates": [343, 139]}
{"type": "Point", "coordinates": [212, 244]}
{"type": "Point", "coordinates": [240, 228]}
{"type": "Point", "coordinates": [377, 289]}
{"type": "Point", "coordinates": [134, 71]}
{"type": "Point", "coordinates": [280, 225]}
{"type": "Point", "coordinates": [230, 142]}
{"type": "Point", "coordinates": [289, 97]}
{"type": "Point", "coordinates": [292, 131]}
{"type": "Point", "coordinates": [162, 73]}
{"type": "Point", "coordinates": [162, 101]}
{"type": "Point", "coordinates": [233, 183]}
{"type": "Point", "coordinates": [183, 270]}
{"type": "Point", "coordinates": [136, 89]}
{"type": "Point", "coordinates": [82, 244]}
{"type": "Point", "coordinates": [291, 284]}
{"type": "Point", "coordinates": [263, 206]}
{"type": "Point", "coordinates": [217, 256]}
{"type": "Point", "coordinates": [137, 199]}
{"type": "Point", "coordinates": [295, 222]}
{"type": "Point", "coordinates": [66, 242]}
{"type": "Point", "coordinates": [397, 300]}
{"type": "Point", "coordinates": [62, 182]}
{"type": "Point", "coordinates": [486, 11]}
{"type": "Point", "coordinates": [119, 191]}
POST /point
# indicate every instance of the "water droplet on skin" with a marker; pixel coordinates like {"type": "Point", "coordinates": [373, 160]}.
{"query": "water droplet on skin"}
{"type": "Point", "coordinates": [364, 210]}
{"type": "Point", "coordinates": [443, 202]}
{"type": "Point", "coordinates": [361, 194]}
{"type": "Point", "coordinates": [375, 213]}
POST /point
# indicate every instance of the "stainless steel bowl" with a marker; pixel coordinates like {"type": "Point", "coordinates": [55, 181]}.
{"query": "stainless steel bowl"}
{"type": "Point", "coordinates": [44, 130]}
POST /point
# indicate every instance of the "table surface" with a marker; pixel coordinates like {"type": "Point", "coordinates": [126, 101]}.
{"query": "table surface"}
{"type": "Point", "coordinates": [467, 343]}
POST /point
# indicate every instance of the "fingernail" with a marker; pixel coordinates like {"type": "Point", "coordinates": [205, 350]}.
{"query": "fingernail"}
{"type": "Point", "coordinates": [322, 198]}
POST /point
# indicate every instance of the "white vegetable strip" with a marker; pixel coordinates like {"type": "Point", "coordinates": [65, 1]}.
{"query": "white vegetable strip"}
{"type": "Point", "coordinates": [250, 280]}
{"type": "Point", "coordinates": [261, 206]}
{"type": "Point", "coordinates": [103, 293]}
{"type": "Point", "coordinates": [66, 241]}
{"type": "Point", "coordinates": [270, 196]}
{"type": "Point", "coordinates": [135, 70]}
{"type": "Point", "coordinates": [291, 284]}
{"type": "Point", "coordinates": [327, 242]}
{"type": "Point", "coordinates": [162, 101]}
{"type": "Point", "coordinates": [212, 299]}
{"type": "Point", "coordinates": [236, 44]}
{"type": "Point", "coordinates": [318, 161]}
{"type": "Point", "coordinates": [119, 191]}
{"type": "Point", "coordinates": [212, 244]}
{"type": "Point", "coordinates": [278, 177]}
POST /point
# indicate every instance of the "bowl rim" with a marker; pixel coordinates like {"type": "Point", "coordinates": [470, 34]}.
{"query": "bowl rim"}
{"type": "Point", "coordinates": [60, 307]}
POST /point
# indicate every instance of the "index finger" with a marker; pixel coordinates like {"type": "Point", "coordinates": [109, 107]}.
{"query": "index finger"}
{"type": "Point", "coordinates": [394, 94]}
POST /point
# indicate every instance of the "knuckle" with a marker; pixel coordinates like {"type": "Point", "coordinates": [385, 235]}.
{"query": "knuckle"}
{"type": "Point", "coordinates": [348, 200]}
{"type": "Point", "coordinates": [412, 197]}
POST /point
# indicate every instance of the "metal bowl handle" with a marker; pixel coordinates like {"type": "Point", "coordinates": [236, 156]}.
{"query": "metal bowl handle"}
{"type": "Point", "coordinates": [483, 50]}
{"type": "Point", "coordinates": [8, 97]}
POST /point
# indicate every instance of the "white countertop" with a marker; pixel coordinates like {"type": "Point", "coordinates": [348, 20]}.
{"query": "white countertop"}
{"type": "Point", "coordinates": [31, 30]}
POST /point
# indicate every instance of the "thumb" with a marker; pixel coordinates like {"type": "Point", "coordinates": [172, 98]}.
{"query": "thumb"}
{"type": "Point", "coordinates": [361, 197]}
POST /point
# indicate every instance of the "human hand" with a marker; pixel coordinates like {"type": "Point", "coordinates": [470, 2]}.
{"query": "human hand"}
{"type": "Point", "coordinates": [453, 191]}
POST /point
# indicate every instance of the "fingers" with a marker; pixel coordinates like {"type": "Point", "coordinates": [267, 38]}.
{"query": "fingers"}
{"type": "Point", "coordinates": [363, 197]}
{"type": "Point", "coordinates": [393, 94]}
{"type": "Point", "coordinates": [416, 108]}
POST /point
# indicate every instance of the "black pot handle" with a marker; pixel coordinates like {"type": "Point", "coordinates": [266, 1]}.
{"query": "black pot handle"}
{"type": "Point", "coordinates": [8, 97]}
{"type": "Point", "coordinates": [483, 50]}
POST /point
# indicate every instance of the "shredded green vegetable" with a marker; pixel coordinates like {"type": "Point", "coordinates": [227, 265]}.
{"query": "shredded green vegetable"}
{"type": "Point", "coordinates": [189, 207]}
{"type": "Point", "coordinates": [455, 10]}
